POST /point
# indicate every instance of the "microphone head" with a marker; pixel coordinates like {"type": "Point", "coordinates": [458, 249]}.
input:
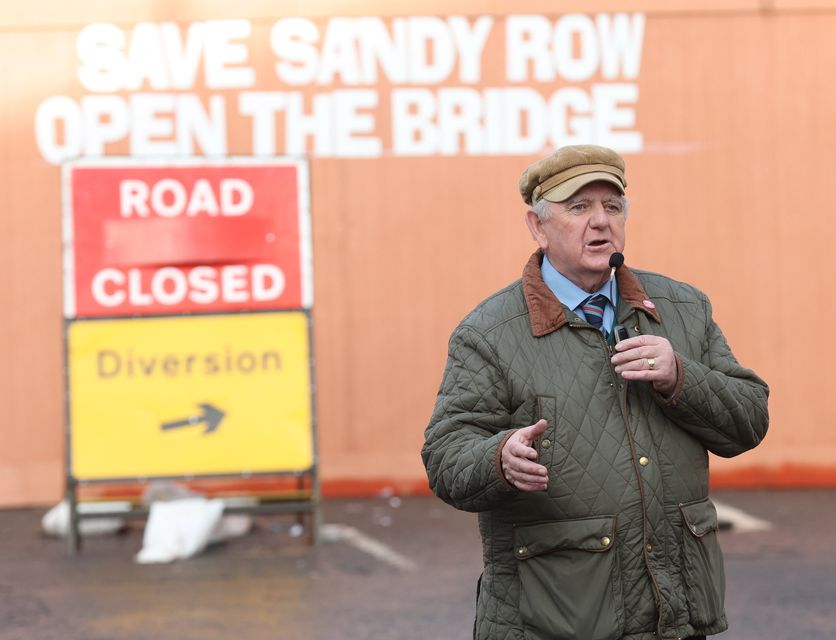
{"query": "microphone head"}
{"type": "Point", "coordinates": [616, 260]}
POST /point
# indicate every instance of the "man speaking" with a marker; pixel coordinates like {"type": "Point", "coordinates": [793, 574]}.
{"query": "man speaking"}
{"type": "Point", "coordinates": [575, 415]}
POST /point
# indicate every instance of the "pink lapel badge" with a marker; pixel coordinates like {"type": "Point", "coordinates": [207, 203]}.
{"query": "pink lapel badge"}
{"type": "Point", "coordinates": [648, 304]}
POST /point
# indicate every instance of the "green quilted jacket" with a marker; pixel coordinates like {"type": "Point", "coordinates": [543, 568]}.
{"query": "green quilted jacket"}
{"type": "Point", "coordinates": [623, 544]}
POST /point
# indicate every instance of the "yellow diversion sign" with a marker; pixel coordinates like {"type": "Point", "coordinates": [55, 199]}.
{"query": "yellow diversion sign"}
{"type": "Point", "coordinates": [197, 395]}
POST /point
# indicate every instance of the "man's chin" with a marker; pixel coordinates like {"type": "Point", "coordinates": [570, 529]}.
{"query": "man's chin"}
{"type": "Point", "coordinates": [601, 264]}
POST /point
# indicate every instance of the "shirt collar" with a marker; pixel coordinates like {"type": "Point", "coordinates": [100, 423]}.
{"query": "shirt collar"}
{"type": "Point", "coordinates": [546, 313]}
{"type": "Point", "coordinates": [567, 291]}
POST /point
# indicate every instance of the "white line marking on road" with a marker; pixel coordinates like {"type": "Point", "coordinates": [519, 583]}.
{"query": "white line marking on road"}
{"type": "Point", "coordinates": [358, 540]}
{"type": "Point", "coordinates": [739, 519]}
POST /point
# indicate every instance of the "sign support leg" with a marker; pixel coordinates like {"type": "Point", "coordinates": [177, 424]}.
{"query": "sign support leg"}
{"type": "Point", "coordinates": [315, 516]}
{"type": "Point", "coordinates": [73, 536]}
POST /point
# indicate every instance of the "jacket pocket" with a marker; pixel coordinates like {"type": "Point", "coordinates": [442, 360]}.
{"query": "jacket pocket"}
{"type": "Point", "coordinates": [702, 563]}
{"type": "Point", "coordinates": [570, 585]}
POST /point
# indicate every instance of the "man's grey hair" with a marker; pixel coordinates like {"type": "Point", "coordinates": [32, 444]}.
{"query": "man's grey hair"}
{"type": "Point", "coordinates": [543, 207]}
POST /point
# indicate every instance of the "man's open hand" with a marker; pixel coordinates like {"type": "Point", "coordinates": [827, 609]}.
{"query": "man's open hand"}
{"type": "Point", "coordinates": [518, 457]}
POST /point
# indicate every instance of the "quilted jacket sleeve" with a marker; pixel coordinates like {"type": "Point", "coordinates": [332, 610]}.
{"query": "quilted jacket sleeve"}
{"type": "Point", "coordinates": [720, 403]}
{"type": "Point", "coordinates": [468, 426]}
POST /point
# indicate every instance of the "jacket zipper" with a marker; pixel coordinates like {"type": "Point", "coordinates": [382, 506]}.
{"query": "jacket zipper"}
{"type": "Point", "coordinates": [637, 471]}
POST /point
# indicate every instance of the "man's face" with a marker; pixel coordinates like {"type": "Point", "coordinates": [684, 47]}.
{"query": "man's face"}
{"type": "Point", "coordinates": [582, 233]}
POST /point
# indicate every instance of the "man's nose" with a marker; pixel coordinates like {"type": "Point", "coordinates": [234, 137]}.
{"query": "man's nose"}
{"type": "Point", "coordinates": [598, 216]}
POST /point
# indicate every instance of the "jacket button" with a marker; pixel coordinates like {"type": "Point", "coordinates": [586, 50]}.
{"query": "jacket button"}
{"type": "Point", "coordinates": [605, 541]}
{"type": "Point", "coordinates": [644, 461]}
{"type": "Point", "coordinates": [636, 329]}
{"type": "Point", "coordinates": [648, 547]}
{"type": "Point", "coordinates": [546, 443]}
{"type": "Point", "coordinates": [522, 550]}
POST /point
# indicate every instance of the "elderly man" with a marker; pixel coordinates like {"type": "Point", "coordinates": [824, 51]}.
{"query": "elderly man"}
{"type": "Point", "coordinates": [586, 456]}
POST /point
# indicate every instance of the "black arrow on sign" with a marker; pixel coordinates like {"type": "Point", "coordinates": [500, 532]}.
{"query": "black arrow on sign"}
{"type": "Point", "coordinates": [211, 416]}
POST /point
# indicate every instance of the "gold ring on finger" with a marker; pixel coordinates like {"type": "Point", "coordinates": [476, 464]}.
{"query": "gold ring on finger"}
{"type": "Point", "coordinates": [651, 363]}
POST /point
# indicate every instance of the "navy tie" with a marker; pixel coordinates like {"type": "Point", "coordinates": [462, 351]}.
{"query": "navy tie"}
{"type": "Point", "coordinates": [593, 309]}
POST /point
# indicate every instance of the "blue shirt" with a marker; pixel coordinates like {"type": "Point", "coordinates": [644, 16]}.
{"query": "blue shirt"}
{"type": "Point", "coordinates": [573, 296]}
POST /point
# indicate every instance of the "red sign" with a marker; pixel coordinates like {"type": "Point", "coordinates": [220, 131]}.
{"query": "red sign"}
{"type": "Point", "coordinates": [145, 239]}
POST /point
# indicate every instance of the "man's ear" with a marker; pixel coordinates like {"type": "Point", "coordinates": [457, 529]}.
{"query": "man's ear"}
{"type": "Point", "coordinates": [534, 225]}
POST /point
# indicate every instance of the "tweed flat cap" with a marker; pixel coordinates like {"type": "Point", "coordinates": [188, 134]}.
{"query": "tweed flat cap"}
{"type": "Point", "coordinates": [560, 175]}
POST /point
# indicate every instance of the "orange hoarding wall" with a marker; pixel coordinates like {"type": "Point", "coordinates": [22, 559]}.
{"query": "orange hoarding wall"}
{"type": "Point", "coordinates": [418, 120]}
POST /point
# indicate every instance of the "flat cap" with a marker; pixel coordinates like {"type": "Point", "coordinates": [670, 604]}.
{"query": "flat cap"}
{"type": "Point", "coordinates": [560, 175]}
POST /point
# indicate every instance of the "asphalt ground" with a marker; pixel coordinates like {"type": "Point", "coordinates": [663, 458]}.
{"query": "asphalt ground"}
{"type": "Point", "coordinates": [391, 569]}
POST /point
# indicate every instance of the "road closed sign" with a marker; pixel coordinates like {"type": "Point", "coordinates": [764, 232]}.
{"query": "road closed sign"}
{"type": "Point", "coordinates": [146, 238]}
{"type": "Point", "coordinates": [183, 396]}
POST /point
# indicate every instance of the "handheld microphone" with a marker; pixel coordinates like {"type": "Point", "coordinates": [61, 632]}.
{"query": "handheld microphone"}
{"type": "Point", "coordinates": [620, 333]}
{"type": "Point", "coordinates": [616, 260]}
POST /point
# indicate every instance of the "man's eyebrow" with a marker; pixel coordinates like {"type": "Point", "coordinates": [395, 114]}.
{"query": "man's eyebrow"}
{"type": "Point", "coordinates": [575, 200]}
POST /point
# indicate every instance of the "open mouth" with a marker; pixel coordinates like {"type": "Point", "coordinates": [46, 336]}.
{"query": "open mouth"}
{"type": "Point", "coordinates": [597, 243]}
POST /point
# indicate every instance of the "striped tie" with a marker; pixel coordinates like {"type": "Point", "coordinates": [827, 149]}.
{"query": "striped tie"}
{"type": "Point", "coordinates": [593, 309]}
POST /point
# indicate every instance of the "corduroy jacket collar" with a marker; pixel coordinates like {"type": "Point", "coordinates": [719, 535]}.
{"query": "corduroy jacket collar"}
{"type": "Point", "coordinates": [546, 312]}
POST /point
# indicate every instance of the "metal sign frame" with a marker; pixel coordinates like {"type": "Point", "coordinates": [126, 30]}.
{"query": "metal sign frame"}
{"type": "Point", "coordinates": [303, 502]}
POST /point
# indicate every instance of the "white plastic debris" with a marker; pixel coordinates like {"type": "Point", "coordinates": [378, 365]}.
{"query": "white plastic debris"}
{"type": "Point", "coordinates": [56, 521]}
{"type": "Point", "coordinates": [232, 526]}
{"type": "Point", "coordinates": [179, 529]}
